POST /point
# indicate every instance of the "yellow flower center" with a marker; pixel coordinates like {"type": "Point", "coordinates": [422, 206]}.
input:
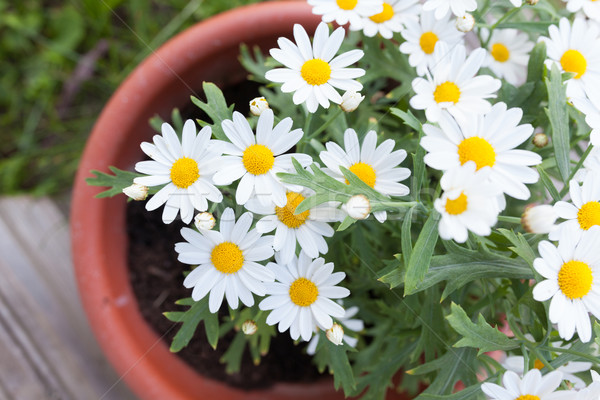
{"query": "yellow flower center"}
{"type": "Point", "coordinates": [365, 172]}
{"type": "Point", "coordinates": [184, 172]}
{"type": "Point", "coordinates": [303, 292]}
{"type": "Point", "coordinates": [589, 215]}
{"type": "Point", "coordinates": [385, 15]}
{"type": "Point", "coordinates": [478, 150]}
{"type": "Point", "coordinates": [456, 206]}
{"type": "Point", "coordinates": [286, 213]}
{"type": "Point", "coordinates": [538, 364]}
{"type": "Point", "coordinates": [574, 61]}
{"type": "Point", "coordinates": [227, 257]}
{"type": "Point", "coordinates": [528, 397]}
{"type": "Point", "coordinates": [575, 279]}
{"type": "Point", "coordinates": [258, 159]}
{"type": "Point", "coordinates": [315, 72]}
{"type": "Point", "coordinates": [447, 92]}
{"type": "Point", "coordinates": [427, 42]}
{"type": "Point", "coordinates": [500, 52]}
{"type": "Point", "coordinates": [347, 4]}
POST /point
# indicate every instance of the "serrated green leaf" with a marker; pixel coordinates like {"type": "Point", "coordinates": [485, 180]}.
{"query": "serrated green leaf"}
{"type": "Point", "coordinates": [190, 318]}
{"type": "Point", "coordinates": [478, 335]}
{"type": "Point", "coordinates": [339, 366]}
{"type": "Point", "coordinates": [117, 182]}
{"type": "Point", "coordinates": [420, 258]}
{"type": "Point", "coordinates": [559, 121]}
{"type": "Point", "coordinates": [232, 358]}
{"type": "Point", "coordinates": [472, 392]}
{"type": "Point", "coordinates": [454, 365]}
{"type": "Point", "coordinates": [215, 107]}
{"type": "Point", "coordinates": [521, 247]}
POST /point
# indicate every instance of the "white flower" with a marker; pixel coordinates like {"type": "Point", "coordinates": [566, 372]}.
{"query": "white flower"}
{"type": "Point", "coordinates": [311, 70]}
{"type": "Point", "coordinates": [488, 140]}
{"type": "Point", "coordinates": [351, 100]}
{"type": "Point", "coordinates": [583, 212]}
{"type": "Point", "coordinates": [185, 167]}
{"type": "Point", "coordinates": [249, 327]}
{"type": "Point", "coordinates": [377, 166]}
{"type": "Point", "coordinates": [307, 228]}
{"type": "Point", "coordinates": [453, 86]}
{"type": "Point", "coordinates": [592, 392]}
{"type": "Point", "coordinates": [539, 219]}
{"type": "Point", "coordinates": [422, 36]}
{"type": "Point", "coordinates": [576, 48]}
{"type": "Point", "coordinates": [358, 206]}
{"type": "Point", "coordinates": [136, 191]}
{"type": "Point", "coordinates": [344, 11]}
{"type": "Point", "coordinates": [465, 23]}
{"type": "Point", "coordinates": [351, 324]}
{"type": "Point", "coordinates": [469, 203]}
{"type": "Point", "coordinates": [517, 364]}
{"type": "Point", "coordinates": [335, 334]}
{"type": "Point", "coordinates": [508, 54]}
{"type": "Point", "coordinates": [204, 220]}
{"type": "Point", "coordinates": [258, 105]}
{"type": "Point", "coordinates": [441, 7]}
{"type": "Point", "coordinates": [257, 160]}
{"type": "Point", "coordinates": [301, 296]}
{"type": "Point", "coordinates": [591, 8]}
{"type": "Point", "coordinates": [395, 13]}
{"type": "Point", "coordinates": [517, 3]}
{"type": "Point", "coordinates": [569, 271]}
{"type": "Point", "coordinates": [590, 107]}
{"type": "Point", "coordinates": [226, 261]}
{"type": "Point", "coordinates": [532, 386]}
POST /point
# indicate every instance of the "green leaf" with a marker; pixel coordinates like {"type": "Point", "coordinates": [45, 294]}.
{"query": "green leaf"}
{"type": "Point", "coordinates": [117, 182]}
{"type": "Point", "coordinates": [340, 367]}
{"type": "Point", "coordinates": [559, 121]}
{"type": "Point", "coordinates": [471, 393]}
{"type": "Point", "coordinates": [529, 26]}
{"type": "Point", "coordinates": [190, 318]}
{"type": "Point", "coordinates": [406, 238]}
{"type": "Point", "coordinates": [521, 247]}
{"type": "Point", "coordinates": [233, 356]}
{"type": "Point", "coordinates": [535, 67]}
{"type": "Point", "coordinates": [454, 365]}
{"type": "Point", "coordinates": [346, 223]}
{"type": "Point", "coordinates": [547, 182]}
{"type": "Point", "coordinates": [478, 335]}
{"type": "Point", "coordinates": [215, 107]}
{"type": "Point", "coordinates": [421, 254]}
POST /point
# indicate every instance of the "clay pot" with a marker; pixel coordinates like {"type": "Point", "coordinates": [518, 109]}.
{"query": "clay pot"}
{"type": "Point", "coordinates": [165, 80]}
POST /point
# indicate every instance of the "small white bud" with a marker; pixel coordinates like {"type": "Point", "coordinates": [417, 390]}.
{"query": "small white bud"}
{"type": "Point", "coordinates": [358, 206]}
{"type": "Point", "coordinates": [204, 221]}
{"type": "Point", "coordinates": [136, 191]}
{"type": "Point", "coordinates": [249, 327]}
{"type": "Point", "coordinates": [532, 2]}
{"type": "Point", "coordinates": [351, 100]}
{"type": "Point", "coordinates": [258, 105]}
{"type": "Point", "coordinates": [539, 219]}
{"type": "Point", "coordinates": [335, 334]}
{"type": "Point", "coordinates": [465, 23]}
{"type": "Point", "coordinates": [540, 140]}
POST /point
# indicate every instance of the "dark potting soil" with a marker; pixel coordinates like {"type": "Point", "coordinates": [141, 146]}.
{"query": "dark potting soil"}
{"type": "Point", "coordinates": [157, 280]}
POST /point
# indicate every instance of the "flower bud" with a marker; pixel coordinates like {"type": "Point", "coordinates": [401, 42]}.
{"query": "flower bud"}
{"type": "Point", "coordinates": [351, 100]}
{"type": "Point", "coordinates": [258, 105]}
{"type": "Point", "coordinates": [249, 327]}
{"type": "Point", "coordinates": [465, 23]}
{"type": "Point", "coordinates": [204, 221]}
{"type": "Point", "coordinates": [335, 334]}
{"type": "Point", "coordinates": [136, 191]}
{"type": "Point", "coordinates": [358, 206]}
{"type": "Point", "coordinates": [539, 219]}
{"type": "Point", "coordinates": [540, 140]}
{"type": "Point", "coordinates": [532, 2]}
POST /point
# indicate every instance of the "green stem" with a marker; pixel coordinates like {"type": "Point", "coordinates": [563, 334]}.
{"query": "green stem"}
{"type": "Point", "coordinates": [588, 357]}
{"type": "Point", "coordinates": [512, 220]}
{"type": "Point", "coordinates": [564, 190]}
{"type": "Point", "coordinates": [325, 125]}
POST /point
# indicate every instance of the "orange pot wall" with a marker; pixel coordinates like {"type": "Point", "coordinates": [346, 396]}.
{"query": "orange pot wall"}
{"type": "Point", "coordinates": [165, 80]}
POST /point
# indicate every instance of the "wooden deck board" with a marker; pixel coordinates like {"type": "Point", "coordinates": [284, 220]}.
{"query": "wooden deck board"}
{"type": "Point", "coordinates": [47, 350]}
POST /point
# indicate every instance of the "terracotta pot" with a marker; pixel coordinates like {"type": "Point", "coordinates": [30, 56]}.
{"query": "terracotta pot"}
{"type": "Point", "coordinates": [206, 52]}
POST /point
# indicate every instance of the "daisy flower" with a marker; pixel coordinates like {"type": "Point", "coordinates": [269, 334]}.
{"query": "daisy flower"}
{"type": "Point", "coordinates": [576, 48]}
{"type": "Point", "coordinates": [257, 160]}
{"type": "Point", "coordinates": [186, 167]}
{"type": "Point", "coordinates": [301, 296]}
{"type": "Point", "coordinates": [508, 54]}
{"type": "Point", "coordinates": [517, 364]}
{"type": "Point", "coordinates": [421, 37]}
{"type": "Point", "coordinates": [377, 166]}
{"type": "Point", "coordinates": [583, 212]}
{"type": "Point", "coordinates": [349, 323]}
{"type": "Point", "coordinates": [457, 7]}
{"type": "Point", "coordinates": [453, 86]}
{"type": "Point", "coordinates": [590, 107]}
{"type": "Point", "coordinates": [392, 19]}
{"type": "Point", "coordinates": [226, 261]}
{"type": "Point", "coordinates": [488, 140]}
{"type": "Point", "coordinates": [570, 270]}
{"type": "Point", "coordinates": [591, 8]}
{"type": "Point", "coordinates": [311, 70]}
{"type": "Point", "coordinates": [469, 203]}
{"type": "Point", "coordinates": [532, 386]}
{"type": "Point", "coordinates": [591, 392]}
{"type": "Point", "coordinates": [308, 229]}
{"type": "Point", "coordinates": [344, 11]}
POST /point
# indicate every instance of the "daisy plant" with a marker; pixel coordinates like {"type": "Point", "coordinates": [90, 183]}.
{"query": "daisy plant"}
{"type": "Point", "coordinates": [413, 199]}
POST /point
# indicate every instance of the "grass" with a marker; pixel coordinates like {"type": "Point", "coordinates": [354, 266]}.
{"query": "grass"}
{"type": "Point", "coordinates": [60, 62]}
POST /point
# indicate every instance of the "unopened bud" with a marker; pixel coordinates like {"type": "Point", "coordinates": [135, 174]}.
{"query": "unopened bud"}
{"type": "Point", "coordinates": [539, 219]}
{"type": "Point", "coordinates": [358, 206]}
{"type": "Point", "coordinates": [532, 2]}
{"type": "Point", "coordinates": [465, 23]}
{"type": "Point", "coordinates": [258, 105]}
{"type": "Point", "coordinates": [249, 327]}
{"type": "Point", "coordinates": [136, 191]}
{"type": "Point", "coordinates": [351, 100]}
{"type": "Point", "coordinates": [335, 334]}
{"type": "Point", "coordinates": [540, 140]}
{"type": "Point", "coordinates": [204, 221]}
